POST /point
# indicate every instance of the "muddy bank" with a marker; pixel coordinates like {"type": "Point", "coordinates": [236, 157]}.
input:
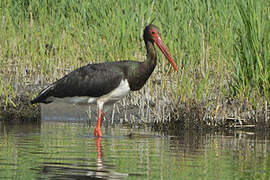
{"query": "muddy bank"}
{"type": "Point", "coordinates": [20, 110]}
{"type": "Point", "coordinates": [230, 114]}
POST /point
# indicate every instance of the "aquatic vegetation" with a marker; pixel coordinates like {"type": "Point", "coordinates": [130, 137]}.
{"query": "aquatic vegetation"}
{"type": "Point", "coordinates": [222, 48]}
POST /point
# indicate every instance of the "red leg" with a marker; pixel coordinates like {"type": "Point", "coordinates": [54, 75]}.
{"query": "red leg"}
{"type": "Point", "coordinates": [98, 132]}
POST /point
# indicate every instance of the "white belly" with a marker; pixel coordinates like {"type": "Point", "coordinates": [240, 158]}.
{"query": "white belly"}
{"type": "Point", "coordinates": [118, 93]}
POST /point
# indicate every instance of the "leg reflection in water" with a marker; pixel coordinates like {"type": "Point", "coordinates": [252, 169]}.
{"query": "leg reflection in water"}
{"type": "Point", "coordinates": [101, 171]}
{"type": "Point", "coordinates": [99, 149]}
{"type": "Point", "coordinates": [104, 171]}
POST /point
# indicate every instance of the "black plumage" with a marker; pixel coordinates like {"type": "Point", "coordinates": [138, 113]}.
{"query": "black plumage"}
{"type": "Point", "coordinates": [94, 80]}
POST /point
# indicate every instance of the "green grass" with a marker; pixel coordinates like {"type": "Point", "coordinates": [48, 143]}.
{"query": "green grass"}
{"type": "Point", "coordinates": [252, 53]}
{"type": "Point", "coordinates": [221, 47]}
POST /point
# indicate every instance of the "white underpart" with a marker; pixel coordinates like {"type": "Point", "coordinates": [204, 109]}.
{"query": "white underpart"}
{"type": "Point", "coordinates": [118, 93]}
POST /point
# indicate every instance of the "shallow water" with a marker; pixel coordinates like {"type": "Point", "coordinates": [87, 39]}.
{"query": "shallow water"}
{"type": "Point", "coordinates": [68, 150]}
{"type": "Point", "coordinates": [63, 150]}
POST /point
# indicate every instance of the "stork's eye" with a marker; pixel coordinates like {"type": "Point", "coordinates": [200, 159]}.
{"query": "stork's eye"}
{"type": "Point", "coordinates": [153, 32]}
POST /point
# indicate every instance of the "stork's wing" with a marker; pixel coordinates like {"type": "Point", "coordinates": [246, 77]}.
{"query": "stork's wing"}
{"type": "Point", "coordinates": [93, 80]}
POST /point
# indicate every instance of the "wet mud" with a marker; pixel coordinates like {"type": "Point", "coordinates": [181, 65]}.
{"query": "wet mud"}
{"type": "Point", "coordinates": [19, 111]}
{"type": "Point", "coordinates": [192, 115]}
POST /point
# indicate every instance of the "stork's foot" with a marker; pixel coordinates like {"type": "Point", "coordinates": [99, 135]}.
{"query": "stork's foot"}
{"type": "Point", "coordinates": [98, 132]}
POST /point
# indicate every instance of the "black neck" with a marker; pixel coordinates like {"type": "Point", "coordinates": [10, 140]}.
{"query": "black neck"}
{"type": "Point", "coordinates": [151, 57]}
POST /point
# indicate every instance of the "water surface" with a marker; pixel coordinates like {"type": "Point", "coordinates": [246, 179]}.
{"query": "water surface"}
{"type": "Point", "coordinates": [64, 150]}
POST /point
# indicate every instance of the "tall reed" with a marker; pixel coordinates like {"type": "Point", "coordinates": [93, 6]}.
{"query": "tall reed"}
{"type": "Point", "coordinates": [251, 50]}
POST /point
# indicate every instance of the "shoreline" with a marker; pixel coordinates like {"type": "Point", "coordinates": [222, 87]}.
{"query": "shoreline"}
{"type": "Point", "coordinates": [184, 116]}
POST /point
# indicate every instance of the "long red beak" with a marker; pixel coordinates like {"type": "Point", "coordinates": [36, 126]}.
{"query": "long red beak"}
{"type": "Point", "coordinates": [165, 51]}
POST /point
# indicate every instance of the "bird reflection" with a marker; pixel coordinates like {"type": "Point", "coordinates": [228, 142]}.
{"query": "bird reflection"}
{"type": "Point", "coordinates": [100, 154]}
{"type": "Point", "coordinates": [103, 170]}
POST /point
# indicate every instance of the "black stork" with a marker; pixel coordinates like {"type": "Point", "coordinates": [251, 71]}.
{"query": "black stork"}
{"type": "Point", "coordinates": [105, 83]}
